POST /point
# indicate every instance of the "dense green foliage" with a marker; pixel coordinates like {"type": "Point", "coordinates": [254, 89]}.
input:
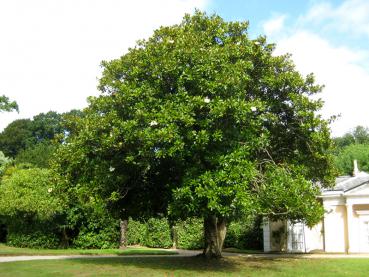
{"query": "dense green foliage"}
{"type": "Point", "coordinates": [29, 208]}
{"type": "Point", "coordinates": [189, 234]}
{"type": "Point", "coordinates": [7, 105]}
{"type": "Point", "coordinates": [29, 192]}
{"type": "Point", "coordinates": [33, 234]}
{"type": "Point", "coordinates": [158, 233]}
{"type": "Point", "coordinates": [352, 146]}
{"type": "Point", "coordinates": [359, 135]}
{"type": "Point", "coordinates": [344, 159]}
{"type": "Point", "coordinates": [38, 155]}
{"type": "Point", "coordinates": [198, 121]}
{"type": "Point", "coordinates": [16, 136]}
{"type": "Point", "coordinates": [45, 129]}
{"type": "Point", "coordinates": [202, 116]}
{"type": "Point", "coordinates": [136, 232]}
{"type": "Point", "coordinates": [245, 233]}
{"type": "Point", "coordinates": [95, 228]}
{"type": "Point", "coordinates": [4, 161]}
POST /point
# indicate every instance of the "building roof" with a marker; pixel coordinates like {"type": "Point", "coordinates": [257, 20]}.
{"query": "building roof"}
{"type": "Point", "coordinates": [346, 183]}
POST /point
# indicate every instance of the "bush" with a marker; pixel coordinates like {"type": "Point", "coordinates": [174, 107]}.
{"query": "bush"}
{"type": "Point", "coordinates": [136, 232]}
{"type": "Point", "coordinates": [36, 239]}
{"type": "Point", "coordinates": [245, 234]}
{"type": "Point", "coordinates": [189, 234]}
{"type": "Point", "coordinates": [101, 239]}
{"type": "Point", "coordinates": [158, 233]}
{"type": "Point", "coordinates": [98, 233]}
{"type": "Point", "coordinates": [32, 234]}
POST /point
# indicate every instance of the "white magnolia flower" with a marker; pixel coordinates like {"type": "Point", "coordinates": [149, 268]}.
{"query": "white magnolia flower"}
{"type": "Point", "coordinates": [111, 169]}
{"type": "Point", "coordinates": [153, 123]}
{"type": "Point", "coordinates": [207, 99]}
{"type": "Point", "coordinates": [49, 190]}
{"type": "Point", "coordinates": [253, 109]}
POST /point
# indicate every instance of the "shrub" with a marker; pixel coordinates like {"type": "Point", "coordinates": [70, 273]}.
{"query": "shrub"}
{"type": "Point", "coordinates": [36, 239]}
{"type": "Point", "coordinates": [136, 232]}
{"type": "Point", "coordinates": [158, 233]}
{"type": "Point", "coordinates": [102, 239]}
{"type": "Point", "coordinates": [189, 234]}
{"type": "Point", "coordinates": [32, 234]}
{"type": "Point", "coordinates": [245, 234]}
{"type": "Point", "coordinates": [98, 233]}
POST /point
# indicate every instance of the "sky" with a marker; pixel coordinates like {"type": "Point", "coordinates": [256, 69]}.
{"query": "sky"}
{"type": "Point", "coordinates": [51, 50]}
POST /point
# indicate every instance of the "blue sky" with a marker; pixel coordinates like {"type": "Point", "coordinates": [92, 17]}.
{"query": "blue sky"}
{"type": "Point", "coordinates": [329, 38]}
{"type": "Point", "coordinates": [51, 49]}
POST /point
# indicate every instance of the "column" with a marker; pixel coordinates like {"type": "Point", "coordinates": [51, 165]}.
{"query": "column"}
{"type": "Point", "coordinates": [348, 228]}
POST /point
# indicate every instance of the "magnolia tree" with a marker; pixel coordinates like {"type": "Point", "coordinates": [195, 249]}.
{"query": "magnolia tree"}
{"type": "Point", "coordinates": [200, 120]}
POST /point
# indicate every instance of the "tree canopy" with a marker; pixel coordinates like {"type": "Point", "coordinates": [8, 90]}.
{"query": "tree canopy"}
{"type": "Point", "coordinates": [201, 120]}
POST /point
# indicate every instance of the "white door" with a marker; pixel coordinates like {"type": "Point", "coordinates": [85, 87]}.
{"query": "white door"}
{"type": "Point", "coordinates": [364, 234]}
{"type": "Point", "coordinates": [296, 237]}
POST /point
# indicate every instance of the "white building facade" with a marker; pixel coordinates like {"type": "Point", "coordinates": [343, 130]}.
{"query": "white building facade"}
{"type": "Point", "coordinates": [344, 228]}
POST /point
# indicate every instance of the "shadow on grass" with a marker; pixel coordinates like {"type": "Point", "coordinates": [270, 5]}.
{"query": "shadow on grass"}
{"type": "Point", "coordinates": [192, 264]}
{"type": "Point", "coordinates": [165, 263]}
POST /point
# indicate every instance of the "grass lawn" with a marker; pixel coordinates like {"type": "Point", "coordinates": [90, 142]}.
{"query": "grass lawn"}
{"type": "Point", "coordinates": [15, 251]}
{"type": "Point", "coordinates": [187, 266]}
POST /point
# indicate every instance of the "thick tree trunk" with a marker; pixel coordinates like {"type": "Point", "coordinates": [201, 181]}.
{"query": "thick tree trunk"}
{"type": "Point", "coordinates": [215, 231]}
{"type": "Point", "coordinates": [123, 233]}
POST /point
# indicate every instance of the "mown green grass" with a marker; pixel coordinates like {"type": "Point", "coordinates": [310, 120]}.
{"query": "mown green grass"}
{"type": "Point", "coordinates": [15, 251]}
{"type": "Point", "coordinates": [187, 266]}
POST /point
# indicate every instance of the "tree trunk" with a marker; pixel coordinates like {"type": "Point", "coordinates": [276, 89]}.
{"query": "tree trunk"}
{"type": "Point", "coordinates": [215, 231]}
{"type": "Point", "coordinates": [123, 233]}
{"type": "Point", "coordinates": [174, 237]}
{"type": "Point", "coordinates": [65, 238]}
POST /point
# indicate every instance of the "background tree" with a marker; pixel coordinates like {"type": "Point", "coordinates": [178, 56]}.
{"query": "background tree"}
{"type": "Point", "coordinates": [359, 135]}
{"type": "Point", "coordinates": [16, 136]}
{"type": "Point", "coordinates": [7, 105]}
{"type": "Point", "coordinates": [45, 126]}
{"type": "Point", "coordinates": [352, 146]}
{"type": "Point", "coordinates": [344, 159]}
{"type": "Point", "coordinates": [38, 155]}
{"type": "Point", "coordinates": [198, 119]}
{"type": "Point", "coordinates": [40, 134]}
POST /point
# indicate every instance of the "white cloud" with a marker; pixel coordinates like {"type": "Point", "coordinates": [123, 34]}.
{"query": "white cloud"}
{"type": "Point", "coordinates": [50, 50]}
{"type": "Point", "coordinates": [274, 25]}
{"type": "Point", "coordinates": [351, 16]}
{"type": "Point", "coordinates": [343, 70]}
{"type": "Point", "coordinates": [346, 82]}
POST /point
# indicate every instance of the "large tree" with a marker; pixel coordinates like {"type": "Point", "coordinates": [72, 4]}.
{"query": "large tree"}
{"type": "Point", "coordinates": [201, 120]}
